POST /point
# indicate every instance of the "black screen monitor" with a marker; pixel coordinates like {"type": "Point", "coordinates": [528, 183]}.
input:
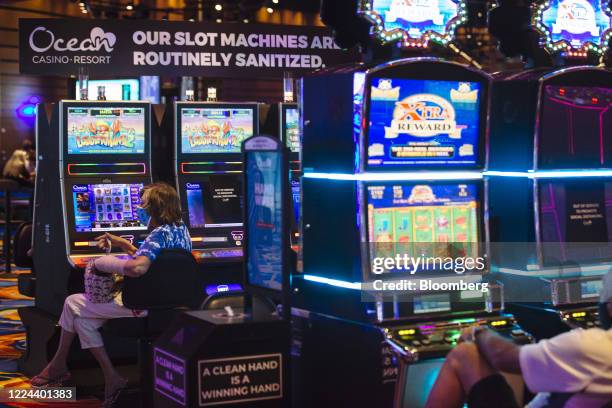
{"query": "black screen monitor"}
{"type": "Point", "coordinates": [215, 201]}
{"type": "Point", "coordinates": [575, 220]}
{"type": "Point", "coordinates": [575, 127]}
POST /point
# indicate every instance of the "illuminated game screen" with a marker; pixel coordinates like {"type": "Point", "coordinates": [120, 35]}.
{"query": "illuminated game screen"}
{"type": "Point", "coordinates": [114, 89]}
{"type": "Point", "coordinates": [215, 202]}
{"type": "Point", "coordinates": [265, 243]}
{"type": "Point", "coordinates": [291, 127]}
{"type": "Point", "coordinates": [215, 130]}
{"type": "Point", "coordinates": [106, 207]}
{"type": "Point", "coordinates": [437, 220]}
{"type": "Point", "coordinates": [423, 123]}
{"type": "Point", "coordinates": [576, 127]}
{"type": "Point", "coordinates": [575, 220]}
{"type": "Point", "coordinates": [110, 130]}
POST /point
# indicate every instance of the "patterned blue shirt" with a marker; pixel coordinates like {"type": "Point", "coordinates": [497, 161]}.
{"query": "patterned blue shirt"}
{"type": "Point", "coordinates": [167, 236]}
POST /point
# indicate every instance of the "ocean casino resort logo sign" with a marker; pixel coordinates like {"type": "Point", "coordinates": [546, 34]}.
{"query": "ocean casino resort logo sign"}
{"type": "Point", "coordinates": [574, 25]}
{"type": "Point", "coordinates": [414, 22]}
{"type": "Point", "coordinates": [44, 41]}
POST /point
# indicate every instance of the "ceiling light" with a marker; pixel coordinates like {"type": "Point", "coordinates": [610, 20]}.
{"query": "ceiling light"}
{"type": "Point", "coordinates": [218, 7]}
{"type": "Point", "coordinates": [192, 19]}
{"type": "Point", "coordinates": [270, 10]}
{"type": "Point", "coordinates": [219, 20]}
{"type": "Point", "coordinates": [84, 11]}
{"type": "Point", "coordinates": [129, 7]}
{"type": "Point", "coordinates": [275, 1]}
{"type": "Point", "coordinates": [82, 4]}
{"type": "Point", "coordinates": [246, 20]}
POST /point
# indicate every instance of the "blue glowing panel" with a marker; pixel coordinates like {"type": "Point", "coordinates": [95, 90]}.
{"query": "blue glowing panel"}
{"type": "Point", "coordinates": [423, 123]}
{"type": "Point", "coordinates": [265, 246]}
{"type": "Point", "coordinates": [574, 23]}
{"type": "Point", "coordinates": [415, 20]}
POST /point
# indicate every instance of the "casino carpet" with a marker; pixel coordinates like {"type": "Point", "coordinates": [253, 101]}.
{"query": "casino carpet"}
{"type": "Point", "coordinates": [12, 343]}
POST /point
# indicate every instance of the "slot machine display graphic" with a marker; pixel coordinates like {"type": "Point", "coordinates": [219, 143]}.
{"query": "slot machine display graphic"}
{"type": "Point", "coordinates": [106, 207]}
{"type": "Point", "coordinates": [423, 122]}
{"type": "Point", "coordinates": [423, 219]}
{"type": "Point", "coordinates": [208, 130]}
{"type": "Point", "coordinates": [105, 130]}
{"type": "Point", "coordinates": [584, 138]}
{"type": "Point", "coordinates": [292, 130]}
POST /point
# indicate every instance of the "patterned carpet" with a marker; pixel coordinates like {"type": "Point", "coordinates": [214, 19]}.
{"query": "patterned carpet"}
{"type": "Point", "coordinates": [12, 343]}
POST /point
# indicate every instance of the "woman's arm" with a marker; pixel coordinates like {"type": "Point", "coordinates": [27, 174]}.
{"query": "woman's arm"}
{"type": "Point", "coordinates": [137, 267]}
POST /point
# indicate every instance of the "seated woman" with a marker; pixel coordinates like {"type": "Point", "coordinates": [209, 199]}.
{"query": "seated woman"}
{"type": "Point", "coordinates": [160, 209]}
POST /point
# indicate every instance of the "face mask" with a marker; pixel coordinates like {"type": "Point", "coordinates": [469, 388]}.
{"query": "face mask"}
{"type": "Point", "coordinates": [143, 216]}
{"type": "Point", "coordinates": [604, 317]}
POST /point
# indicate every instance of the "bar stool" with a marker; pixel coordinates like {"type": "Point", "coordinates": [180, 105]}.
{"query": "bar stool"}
{"type": "Point", "coordinates": [7, 186]}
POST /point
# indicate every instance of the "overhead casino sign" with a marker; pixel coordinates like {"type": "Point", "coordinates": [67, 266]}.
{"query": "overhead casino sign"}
{"type": "Point", "coordinates": [414, 22]}
{"type": "Point", "coordinates": [574, 25]}
{"type": "Point", "coordinates": [128, 47]}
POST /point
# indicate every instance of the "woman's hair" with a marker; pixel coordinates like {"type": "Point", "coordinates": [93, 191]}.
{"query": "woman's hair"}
{"type": "Point", "coordinates": [162, 203]}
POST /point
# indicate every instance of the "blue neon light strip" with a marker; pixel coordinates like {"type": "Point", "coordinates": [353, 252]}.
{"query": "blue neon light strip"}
{"type": "Point", "coordinates": [333, 282]}
{"type": "Point", "coordinates": [551, 173]}
{"type": "Point", "coordinates": [459, 175]}
{"type": "Point", "coordinates": [425, 175]}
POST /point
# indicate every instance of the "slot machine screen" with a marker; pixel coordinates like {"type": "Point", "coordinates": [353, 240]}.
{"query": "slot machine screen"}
{"type": "Point", "coordinates": [413, 123]}
{"type": "Point", "coordinates": [106, 207]}
{"type": "Point", "coordinates": [441, 222]}
{"type": "Point", "coordinates": [114, 89]}
{"type": "Point", "coordinates": [575, 220]}
{"type": "Point", "coordinates": [575, 127]}
{"type": "Point", "coordinates": [215, 202]}
{"type": "Point", "coordinates": [295, 195]}
{"type": "Point", "coordinates": [291, 129]}
{"type": "Point", "coordinates": [215, 130]}
{"type": "Point", "coordinates": [105, 130]}
{"type": "Point", "coordinates": [265, 222]}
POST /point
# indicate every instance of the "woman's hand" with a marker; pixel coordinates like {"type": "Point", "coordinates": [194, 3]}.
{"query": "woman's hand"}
{"type": "Point", "coordinates": [107, 241]}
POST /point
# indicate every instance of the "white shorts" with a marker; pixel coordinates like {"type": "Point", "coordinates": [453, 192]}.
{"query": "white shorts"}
{"type": "Point", "coordinates": [85, 318]}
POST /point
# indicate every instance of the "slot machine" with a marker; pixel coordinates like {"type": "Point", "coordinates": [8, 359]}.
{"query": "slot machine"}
{"type": "Point", "coordinates": [94, 159]}
{"type": "Point", "coordinates": [551, 150]}
{"type": "Point", "coordinates": [401, 176]}
{"type": "Point", "coordinates": [208, 177]}
{"type": "Point", "coordinates": [289, 129]}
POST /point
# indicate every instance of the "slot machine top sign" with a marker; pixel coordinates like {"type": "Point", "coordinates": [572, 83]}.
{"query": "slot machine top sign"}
{"type": "Point", "coordinates": [414, 22]}
{"type": "Point", "coordinates": [574, 26]}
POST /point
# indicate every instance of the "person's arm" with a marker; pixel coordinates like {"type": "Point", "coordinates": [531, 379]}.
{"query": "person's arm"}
{"type": "Point", "coordinates": [137, 267]}
{"type": "Point", "coordinates": [122, 243]}
{"type": "Point", "coordinates": [502, 354]}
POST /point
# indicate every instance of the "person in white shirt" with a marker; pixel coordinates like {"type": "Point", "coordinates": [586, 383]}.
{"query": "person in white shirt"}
{"type": "Point", "coordinates": [571, 370]}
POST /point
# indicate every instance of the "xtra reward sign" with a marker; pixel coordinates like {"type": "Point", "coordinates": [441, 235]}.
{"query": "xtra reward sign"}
{"type": "Point", "coordinates": [128, 47]}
